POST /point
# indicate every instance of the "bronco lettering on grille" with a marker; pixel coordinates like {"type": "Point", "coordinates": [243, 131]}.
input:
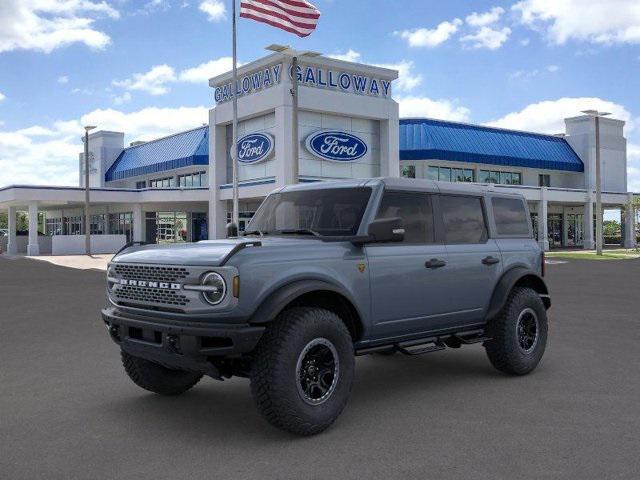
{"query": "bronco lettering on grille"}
{"type": "Point", "coordinates": [150, 284]}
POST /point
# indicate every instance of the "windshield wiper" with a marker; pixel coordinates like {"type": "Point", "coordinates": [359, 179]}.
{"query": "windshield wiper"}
{"type": "Point", "coordinates": [299, 231]}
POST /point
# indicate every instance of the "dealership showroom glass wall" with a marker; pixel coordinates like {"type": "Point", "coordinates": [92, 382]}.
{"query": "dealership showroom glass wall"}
{"type": "Point", "coordinates": [179, 188]}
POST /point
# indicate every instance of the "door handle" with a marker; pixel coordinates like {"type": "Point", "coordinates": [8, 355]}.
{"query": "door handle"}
{"type": "Point", "coordinates": [435, 263]}
{"type": "Point", "coordinates": [490, 260]}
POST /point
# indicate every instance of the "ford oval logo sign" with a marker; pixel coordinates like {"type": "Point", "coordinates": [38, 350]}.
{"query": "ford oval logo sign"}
{"type": "Point", "coordinates": [255, 147]}
{"type": "Point", "coordinates": [336, 146]}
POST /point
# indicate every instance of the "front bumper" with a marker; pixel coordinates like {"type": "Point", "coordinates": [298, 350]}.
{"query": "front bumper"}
{"type": "Point", "coordinates": [180, 345]}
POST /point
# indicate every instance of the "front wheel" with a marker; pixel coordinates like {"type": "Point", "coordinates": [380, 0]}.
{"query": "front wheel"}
{"type": "Point", "coordinates": [302, 371]}
{"type": "Point", "coordinates": [518, 334]}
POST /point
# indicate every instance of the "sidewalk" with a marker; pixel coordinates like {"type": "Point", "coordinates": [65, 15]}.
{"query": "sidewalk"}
{"type": "Point", "coordinates": [81, 262]}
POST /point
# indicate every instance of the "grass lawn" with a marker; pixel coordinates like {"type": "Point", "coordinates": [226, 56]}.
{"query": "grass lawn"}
{"type": "Point", "coordinates": [591, 255]}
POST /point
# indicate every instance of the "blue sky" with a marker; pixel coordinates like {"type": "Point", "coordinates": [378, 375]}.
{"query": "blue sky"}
{"type": "Point", "coordinates": [142, 66]}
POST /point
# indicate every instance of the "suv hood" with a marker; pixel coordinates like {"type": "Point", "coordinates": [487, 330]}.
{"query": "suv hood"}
{"type": "Point", "coordinates": [208, 252]}
{"type": "Point", "coordinates": [202, 253]}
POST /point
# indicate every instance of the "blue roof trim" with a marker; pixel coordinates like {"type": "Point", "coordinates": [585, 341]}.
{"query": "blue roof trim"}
{"type": "Point", "coordinates": [175, 151]}
{"type": "Point", "coordinates": [427, 139]}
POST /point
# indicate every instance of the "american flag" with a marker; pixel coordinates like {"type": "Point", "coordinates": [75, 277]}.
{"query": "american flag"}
{"type": "Point", "coordinates": [294, 16]}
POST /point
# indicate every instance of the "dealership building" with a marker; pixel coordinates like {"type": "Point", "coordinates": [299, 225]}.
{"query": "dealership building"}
{"type": "Point", "coordinates": [179, 188]}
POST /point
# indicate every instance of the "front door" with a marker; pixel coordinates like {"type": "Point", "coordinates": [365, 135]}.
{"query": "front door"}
{"type": "Point", "coordinates": [409, 283]}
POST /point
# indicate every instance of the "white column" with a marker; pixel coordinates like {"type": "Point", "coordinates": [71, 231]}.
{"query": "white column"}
{"type": "Point", "coordinates": [588, 242]}
{"type": "Point", "coordinates": [565, 227]}
{"type": "Point", "coordinates": [218, 158]}
{"type": "Point", "coordinates": [629, 223]}
{"type": "Point", "coordinates": [138, 223]}
{"type": "Point", "coordinates": [543, 236]}
{"type": "Point", "coordinates": [33, 248]}
{"type": "Point", "coordinates": [12, 247]}
{"type": "Point", "coordinates": [284, 139]}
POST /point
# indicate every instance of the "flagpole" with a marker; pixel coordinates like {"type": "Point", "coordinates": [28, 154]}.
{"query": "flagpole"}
{"type": "Point", "coordinates": [234, 148]}
{"type": "Point", "coordinates": [294, 119]}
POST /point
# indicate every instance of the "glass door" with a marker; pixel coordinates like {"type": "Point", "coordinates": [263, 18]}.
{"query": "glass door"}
{"type": "Point", "coordinates": [575, 230]}
{"type": "Point", "coordinates": [554, 227]}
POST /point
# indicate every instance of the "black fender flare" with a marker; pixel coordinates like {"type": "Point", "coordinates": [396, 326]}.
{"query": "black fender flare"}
{"type": "Point", "coordinates": [509, 280]}
{"type": "Point", "coordinates": [277, 300]}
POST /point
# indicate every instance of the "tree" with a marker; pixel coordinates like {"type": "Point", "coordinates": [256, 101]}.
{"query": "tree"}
{"type": "Point", "coordinates": [611, 228]}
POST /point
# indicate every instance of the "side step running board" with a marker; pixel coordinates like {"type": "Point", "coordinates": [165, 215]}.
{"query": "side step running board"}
{"type": "Point", "coordinates": [428, 344]}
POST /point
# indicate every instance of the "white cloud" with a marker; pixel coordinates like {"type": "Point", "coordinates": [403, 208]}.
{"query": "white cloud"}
{"type": "Point", "coordinates": [529, 74]}
{"type": "Point", "coordinates": [486, 18]}
{"type": "Point", "coordinates": [413, 106]}
{"type": "Point", "coordinates": [595, 21]}
{"type": "Point", "coordinates": [122, 99]}
{"type": "Point", "coordinates": [407, 78]}
{"type": "Point", "coordinates": [349, 56]}
{"type": "Point", "coordinates": [548, 116]}
{"type": "Point", "coordinates": [2, 96]}
{"type": "Point", "coordinates": [214, 9]}
{"type": "Point", "coordinates": [63, 79]}
{"type": "Point", "coordinates": [45, 25]}
{"type": "Point", "coordinates": [423, 37]}
{"type": "Point", "coordinates": [153, 82]}
{"type": "Point", "coordinates": [525, 42]}
{"type": "Point", "coordinates": [203, 72]}
{"type": "Point", "coordinates": [553, 68]}
{"type": "Point", "coordinates": [487, 37]}
{"type": "Point", "coordinates": [49, 155]}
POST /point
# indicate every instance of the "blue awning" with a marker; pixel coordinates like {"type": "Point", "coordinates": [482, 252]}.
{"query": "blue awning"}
{"type": "Point", "coordinates": [176, 151]}
{"type": "Point", "coordinates": [427, 139]}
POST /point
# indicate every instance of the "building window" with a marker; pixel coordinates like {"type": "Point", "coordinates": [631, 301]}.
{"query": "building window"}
{"type": "Point", "coordinates": [502, 178]}
{"type": "Point", "coordinates": [446, 174]}
{"type": "Point", "coordinates": [190, 180]}
{"type": "Point", "coordinates": [167, 227]}
{"type": "Point", "coordinates": [121, 224]}
{"type": "Point", "coordinates": [167, 182]}
{"type": "Point", "coordinates": [142, 184]}
{"type": "Point", "coordinates": [544, 180]}
{"type": "Point", "coordinates": [53, 226]}
{"type": "Point", "coordinates": [98, 223]}
{"type": "Point", "coordinates": [409, 171]}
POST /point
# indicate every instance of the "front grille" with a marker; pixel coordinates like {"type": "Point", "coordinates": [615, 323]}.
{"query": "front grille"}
{"type": "Point", "coordinates": [150, 272]}
{"type": "Point", "coordinates": [144, 296]}
{"type": "Point", "coordinates": [153, 295]}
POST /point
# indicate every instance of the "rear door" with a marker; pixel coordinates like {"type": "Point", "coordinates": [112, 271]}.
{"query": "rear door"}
{"type": "Point", "coordinates": [475, 263]}
{"type": "Point", "coordinates": [408, 279]}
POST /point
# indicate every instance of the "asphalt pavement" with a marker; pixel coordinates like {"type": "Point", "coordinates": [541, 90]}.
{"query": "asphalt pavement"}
{"type": "Point", "coordinates": [68, 411]}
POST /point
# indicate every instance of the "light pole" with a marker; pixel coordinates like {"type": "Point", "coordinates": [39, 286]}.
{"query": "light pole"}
{"type": "Point", "coordinates": [294, 54]}
{"type": "Point", "coordinates": [87, 218]}
{"type": "Point", "coordinates": [596, 114]}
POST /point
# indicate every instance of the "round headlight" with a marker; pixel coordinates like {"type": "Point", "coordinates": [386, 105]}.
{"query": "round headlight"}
{"type": "Point", "coordinates": [216, 288]}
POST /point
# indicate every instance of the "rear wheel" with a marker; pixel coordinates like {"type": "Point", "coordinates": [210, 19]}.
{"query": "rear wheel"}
{"type": "Point", "coordinates": [518, 334]}
{"type": "Point", "coordinates": [302, 372]}
{"type": "Point", "coordinates": [156, 378]}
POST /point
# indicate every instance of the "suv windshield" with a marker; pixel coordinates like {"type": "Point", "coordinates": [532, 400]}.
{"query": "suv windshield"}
{"type": "Point", "coordinates": [326, 212]}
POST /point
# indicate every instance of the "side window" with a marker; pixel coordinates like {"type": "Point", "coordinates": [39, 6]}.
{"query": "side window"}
{"type": "Point", "coordinates": [510, 216]}
{"type": "Point", "coordinates": [463, 219]}
{"type": "Point", "coordinates": [415, 211]}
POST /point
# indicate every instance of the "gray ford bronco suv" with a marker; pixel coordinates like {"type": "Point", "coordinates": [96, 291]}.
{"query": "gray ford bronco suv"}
{"type": "Point", "coordinates": [326, 272]}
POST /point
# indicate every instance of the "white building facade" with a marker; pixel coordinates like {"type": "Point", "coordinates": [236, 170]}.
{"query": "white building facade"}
{"type": "Point", "coordinates": [179, 188]}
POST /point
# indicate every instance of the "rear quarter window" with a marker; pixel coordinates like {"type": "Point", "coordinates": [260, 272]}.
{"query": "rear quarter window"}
{"type": "Point", "coordinates": [510, 216]}
{"type": "Point", "coordinates": [463, 219]}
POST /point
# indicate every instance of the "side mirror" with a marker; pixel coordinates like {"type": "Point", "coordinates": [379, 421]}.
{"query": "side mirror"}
{"type": "Point", "coordinates": [232, 230]}
{"type": "Point", "coordinates": [386, 230]}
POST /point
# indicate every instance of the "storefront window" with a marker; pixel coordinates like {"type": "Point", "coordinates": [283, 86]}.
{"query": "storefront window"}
{"type": "Point", "coordinates": [409, 171]}
{"type": "Point", "coordinates": [121, 224]}
{"type": "Point", "coordinates": [503, 178]}
{"type": "Point", "coordinates": [175, 227]}
{"type": "Point", "coordinates": [446, 174]}
{"type": "Point", "coordinates": [198, 179]}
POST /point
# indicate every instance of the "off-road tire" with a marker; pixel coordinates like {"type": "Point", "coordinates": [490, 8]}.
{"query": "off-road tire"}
{"type": "Point", "coordinates": [503, 349]}
{"type": "Point", "coordinates": [274, 376]}
{"type": "Point", "coordinates": [156, 378]}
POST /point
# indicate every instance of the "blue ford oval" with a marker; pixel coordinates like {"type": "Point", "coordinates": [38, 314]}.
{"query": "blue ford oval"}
{"type": "Point", "coordinates": [336, 146]}
{"type": "Point", "coordinates": [255, 147]}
